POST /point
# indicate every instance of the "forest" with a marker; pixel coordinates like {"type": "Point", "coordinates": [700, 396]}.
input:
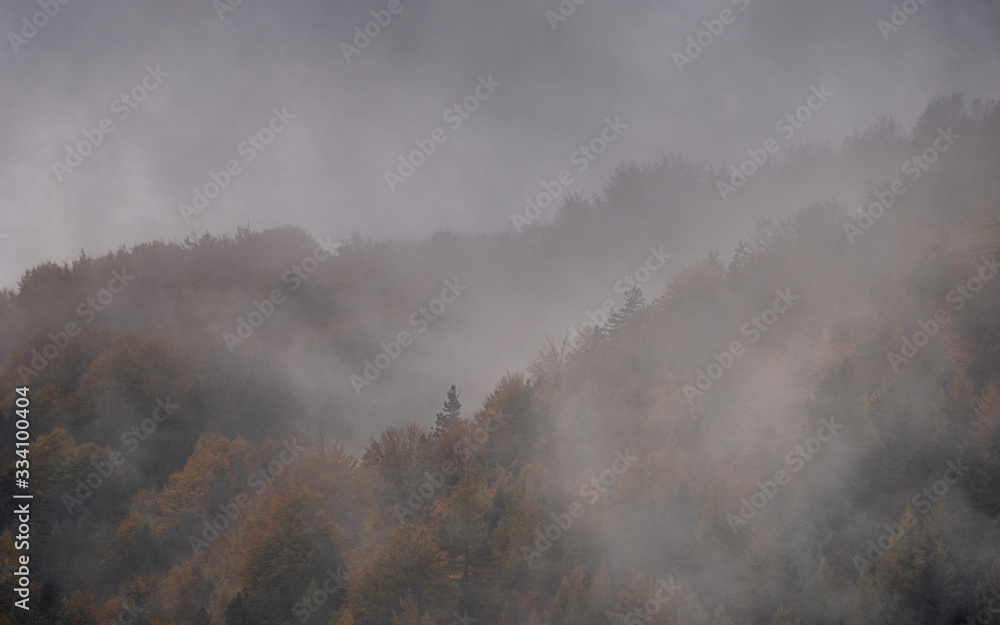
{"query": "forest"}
{"type": "Point", "coordinates": [804, 430]}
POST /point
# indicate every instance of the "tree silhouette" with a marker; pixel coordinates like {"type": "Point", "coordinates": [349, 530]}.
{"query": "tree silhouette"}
{"type": "Point", "coordinates": [238, 611]}
{"type": "Point", "coordinates": [630, 309]}
{"type": "Point", "coordinates": [452, 412]}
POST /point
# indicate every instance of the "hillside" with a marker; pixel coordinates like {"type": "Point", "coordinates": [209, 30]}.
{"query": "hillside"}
{"type": "Point", "coordinates": [234, 429]}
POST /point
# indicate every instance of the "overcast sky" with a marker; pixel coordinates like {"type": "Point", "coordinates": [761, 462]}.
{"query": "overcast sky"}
{"type": "Point", "coordinates": [220, 79]}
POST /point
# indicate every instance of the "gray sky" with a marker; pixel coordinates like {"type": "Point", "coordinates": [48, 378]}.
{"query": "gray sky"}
{"type": "Point", "coordinates": [324, 172]}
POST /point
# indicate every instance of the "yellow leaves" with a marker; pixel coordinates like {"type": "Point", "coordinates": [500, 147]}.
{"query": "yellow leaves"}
{"type": "Point", "coordinates": [180, 592]}
{"type": "Point", "coordinates": [292, 535]}
{"type": "Point", "coordinates": [80, 608]}
{"type": "Point", "coordinates": [407, 562]}
{"type": "Point", "coordinates": [128, 529]}
{"type": "Point", "coordinates": [152, 368]}
{"type": "Point", "coordinates": [410, 612]}
{"type": "Point", "coordinates": [58, 461]}
{"type": "Point", "coordinates": [216, 462]}
{"type": "Point", "coordinates": [829, 355]}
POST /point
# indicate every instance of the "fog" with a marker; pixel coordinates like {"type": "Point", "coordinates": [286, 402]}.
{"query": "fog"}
{"type": "Point", "coordinates": [353, 119]}
{"type": "Point", "coordinates": [301, 223]}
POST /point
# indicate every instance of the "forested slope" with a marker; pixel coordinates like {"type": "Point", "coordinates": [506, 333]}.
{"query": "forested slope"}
{"type": "Point", "coordinates": [806, 432]}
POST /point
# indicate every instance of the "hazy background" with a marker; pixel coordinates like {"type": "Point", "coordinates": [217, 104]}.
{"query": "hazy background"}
{"type": "Point", "coordinates": [353, 119]}
{"type": "Point", "coordinates": [573, 404]}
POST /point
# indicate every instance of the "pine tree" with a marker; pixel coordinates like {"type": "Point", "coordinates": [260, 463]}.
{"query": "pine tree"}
{"type": "Point", "coordinates": [201, 617]}
{"type": "Point", "coordinates": [238, 612]}
{"type": "Point", "coordinates": [742, 258]}
{"type": "Point", "coordinates": [452, 412]}
{"type": "Point", "coordinates": [49, 604]}
{"type": "Point", "coordinates": [634, 304]}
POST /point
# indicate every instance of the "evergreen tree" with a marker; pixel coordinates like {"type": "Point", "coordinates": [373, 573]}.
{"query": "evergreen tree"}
{"type": "Point", "coordinates": [49, 604]}
{"type": "Point", "coordinates": [634, 304]}
{"type": "Point", "coordinates": [452, 412]}
{"type": "Point", "coordinates": [238, 611]}
{"type": "Point", "coordinates": [201, 617]}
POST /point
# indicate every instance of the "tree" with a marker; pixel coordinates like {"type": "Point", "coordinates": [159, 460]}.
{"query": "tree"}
{"type": "Point", "coordinates": [398, 460]}
{"type": "Point", "coordinates": [630, 604]}
{"type": "Point", "coordinates": [574, 602]}
{"type": "Point", "coordinates": [634, 304]}
{"type": "Point", "coordinates": [721, 616]}
{"type": "Point", "coordinates": [407, 563]}
{"type": "Point", "coordinates": [452, 412]}
{"type": "Point", "coordinates": [134, 549]}
{"type": "Point", "coordinates": [463, 532]}
{"type": "Point", "coordinates": [742, 257]}
{"type": "Point", "coordinates": [548, 364]}
{"type": "Point", "coordinates": [410, 614]}
{"type": "Point", "coordinates": [294, 542]}
{"type": "Point", "coordinates": [201, 617]}
{"type": "Point", "coordinates": [987, 422]}
{"type": "Point", "coordinates": [49, 604]}
{"type": "Point", "coordinates": [238, 611]}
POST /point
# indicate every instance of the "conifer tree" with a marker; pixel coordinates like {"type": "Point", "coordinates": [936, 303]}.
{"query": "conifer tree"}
{"type": "Point", "coordinates": [630, 309]}
{"type": "Point", "coordinates": [452, 412]}
{"type": "Point", "coordinates": [238, 611]}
